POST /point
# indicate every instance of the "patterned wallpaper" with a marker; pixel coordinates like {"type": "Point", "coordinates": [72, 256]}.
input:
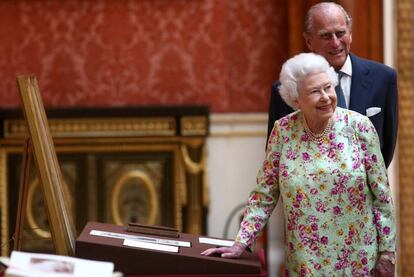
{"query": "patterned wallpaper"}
{"type": "Point", "coordinates": [222, 53]}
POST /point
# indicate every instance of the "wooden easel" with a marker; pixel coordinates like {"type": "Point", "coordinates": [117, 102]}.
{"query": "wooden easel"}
{"type": "Point", "coordinates": [40, 146]}
{"type": "Point", "coordinates": [23, 188]}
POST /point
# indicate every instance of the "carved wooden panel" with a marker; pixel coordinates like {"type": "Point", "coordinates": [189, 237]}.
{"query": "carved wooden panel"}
{"type": "Point", "coordinates": [405, 61]}
{"type": "Point", "coordinates": [142, 165]}
{"type": "Point", "coordinates": [136, 187]}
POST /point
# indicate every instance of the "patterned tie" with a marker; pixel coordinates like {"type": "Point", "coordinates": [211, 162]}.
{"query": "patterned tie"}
{"type": "Point", "coordinates": [340, 98]}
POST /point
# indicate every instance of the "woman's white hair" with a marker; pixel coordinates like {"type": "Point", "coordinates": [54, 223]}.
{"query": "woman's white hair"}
{"type": "Point", "coordinates": [296, 69]}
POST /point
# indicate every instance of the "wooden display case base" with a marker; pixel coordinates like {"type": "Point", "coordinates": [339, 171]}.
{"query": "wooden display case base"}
{"type": "Point", "coordinates": [143, 262]}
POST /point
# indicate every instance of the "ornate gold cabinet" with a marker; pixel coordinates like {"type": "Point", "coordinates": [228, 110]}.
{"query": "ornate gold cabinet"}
{"type": "Point", "coordinates": [120, 165]}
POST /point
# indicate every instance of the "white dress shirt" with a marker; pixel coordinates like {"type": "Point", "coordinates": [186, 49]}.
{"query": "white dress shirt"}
{"type": "Point", "coordinates": [346, 80]}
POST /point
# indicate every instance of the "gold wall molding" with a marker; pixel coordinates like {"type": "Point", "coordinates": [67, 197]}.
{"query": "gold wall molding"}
{"type": "Point", "coordinates": [238, 118]}
{"type": "Point", "coordinates": [405, 59]}
{"type": "Point", "coordinates": [235, 125]}
{"type": "Point", "coordinates": [194, 125]}
{"type": "Point", "coordinates": [98, 127]}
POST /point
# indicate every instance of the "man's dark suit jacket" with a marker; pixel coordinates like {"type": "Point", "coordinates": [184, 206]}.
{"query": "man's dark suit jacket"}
{"type": "Point", "coordinates": [372, 85]}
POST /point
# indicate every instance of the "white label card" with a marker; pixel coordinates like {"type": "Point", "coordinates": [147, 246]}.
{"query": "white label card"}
{"type": "Point", "coordinates": [152, 246]}
{"type": "Point", "coordinates": [140, 238]}
{"type": "Point", "coordinates": [219, 242]}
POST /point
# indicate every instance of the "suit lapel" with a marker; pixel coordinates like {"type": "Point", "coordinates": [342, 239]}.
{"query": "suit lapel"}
{"type": "Point", "coordinates": [360, 86]}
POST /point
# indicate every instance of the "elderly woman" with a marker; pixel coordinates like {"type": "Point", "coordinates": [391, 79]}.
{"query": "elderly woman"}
{"type": "Point", "coordinates": [326, 165]}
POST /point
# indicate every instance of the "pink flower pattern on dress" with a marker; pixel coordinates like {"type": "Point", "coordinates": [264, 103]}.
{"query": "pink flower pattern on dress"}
{"type": "Point", "coordinates": [335, 194]}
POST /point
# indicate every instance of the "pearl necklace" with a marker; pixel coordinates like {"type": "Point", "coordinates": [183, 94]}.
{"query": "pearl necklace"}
{"type": "Point", "coordinates": [318, 138]}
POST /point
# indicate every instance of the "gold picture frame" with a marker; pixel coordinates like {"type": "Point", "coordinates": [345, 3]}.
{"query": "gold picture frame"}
{"type": "Point", "coordinates": [145, 185]}
{"type": "Point", "coordinates": [50, 176]}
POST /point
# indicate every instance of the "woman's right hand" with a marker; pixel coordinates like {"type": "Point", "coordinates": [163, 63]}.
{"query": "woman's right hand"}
{"type": "Point", "coordinates": [385, 266]}
{"type": "Point", "coordinates": [232, 252]}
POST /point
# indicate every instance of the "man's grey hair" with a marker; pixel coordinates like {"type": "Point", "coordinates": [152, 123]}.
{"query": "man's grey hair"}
{"type": "Point", "coordinates": [297, 69]}
{"type": "Point", "coordinates": [321, 6]}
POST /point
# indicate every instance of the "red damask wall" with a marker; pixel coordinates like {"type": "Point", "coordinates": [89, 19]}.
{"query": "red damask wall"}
{"type": "Point", "coordinates": [222, 53]}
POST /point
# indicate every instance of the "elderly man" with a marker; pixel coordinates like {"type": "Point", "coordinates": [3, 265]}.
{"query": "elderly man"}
{"type": "Point", "coordinates": [365, 86]}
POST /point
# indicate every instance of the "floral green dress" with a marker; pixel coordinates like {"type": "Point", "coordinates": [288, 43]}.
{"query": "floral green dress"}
{"type": "Point", "coordinates": [336, 199]}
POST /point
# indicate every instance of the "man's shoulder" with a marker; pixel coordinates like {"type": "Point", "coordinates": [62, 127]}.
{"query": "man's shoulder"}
{"type": "Point", "coordinates": [276, 85]}
{"type": "Point", "coordinates": [370, 64]}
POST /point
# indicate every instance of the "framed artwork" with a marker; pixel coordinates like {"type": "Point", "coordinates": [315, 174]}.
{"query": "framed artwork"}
{"type": "Point", "coordinates": [50, 176]}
